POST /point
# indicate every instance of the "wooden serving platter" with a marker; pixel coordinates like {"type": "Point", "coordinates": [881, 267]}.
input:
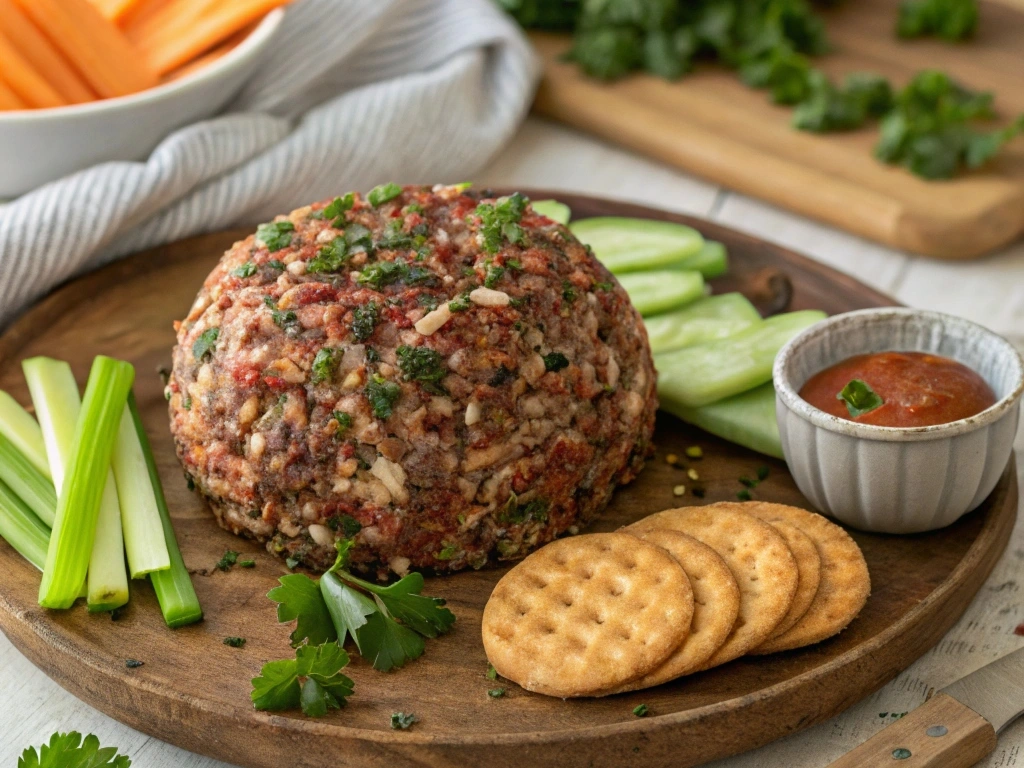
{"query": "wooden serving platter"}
{"type": "Point", "coordinates": [193, 690]}
{"type": "Point", "coordinates": [711, 124]}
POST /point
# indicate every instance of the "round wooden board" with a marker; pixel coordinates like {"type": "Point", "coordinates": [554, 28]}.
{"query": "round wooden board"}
{"type": "Point", "coordinates": [193, 690]}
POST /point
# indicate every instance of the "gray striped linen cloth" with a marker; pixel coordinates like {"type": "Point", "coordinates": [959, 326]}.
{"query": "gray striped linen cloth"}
{"type": "Point", "coordinates": [353, 93]}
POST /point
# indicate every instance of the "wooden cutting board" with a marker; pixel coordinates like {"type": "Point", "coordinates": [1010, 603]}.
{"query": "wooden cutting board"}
{"type": "Point", "coordinates": [709, 123]}
{"type": "Point", "coordinates": [193, 690]}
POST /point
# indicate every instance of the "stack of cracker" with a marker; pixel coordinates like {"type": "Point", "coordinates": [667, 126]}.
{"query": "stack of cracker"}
{"type": "Point", "coordinates": [677, 592]}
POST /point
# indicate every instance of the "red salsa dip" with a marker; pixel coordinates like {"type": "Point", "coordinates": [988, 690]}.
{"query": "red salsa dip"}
{"type": "Point", "coordinates": [899, 389]}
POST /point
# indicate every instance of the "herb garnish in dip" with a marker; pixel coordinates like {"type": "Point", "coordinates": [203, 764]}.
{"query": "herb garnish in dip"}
{"type": "Point", "coordinates": [899, 389]}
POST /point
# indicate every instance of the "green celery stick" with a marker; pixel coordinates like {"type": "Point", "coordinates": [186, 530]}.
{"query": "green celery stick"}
{"type": "Point", "coordinates": [554, 210]}
{"type": "Point", "coordinates": [108, 580]}
{"type": "Point", "coordinates": [708, 372]}
{"type": "Point", "coordinates": [27, 482]}
{"type": "Point", "coordinates": [661, 291]}
{"type": "Point", "coordinates": [747, 419]}
{"type": "Point", "coordinates": [18, 426]}
{"type": "Point", "coordinates": [22, 529]}
{"type": "Point", "coordinates": [712, 260]}
{"type": "Point", "coordinates": [82, 489]}
{"type": "Point", "coordinates": [140, 516]}
{"type": "Point", "coordinates": [707, 319]}
{"type": "Point", "coordinates": [173, 587]}
{"type": "Point", "coordinates": [633, 245]}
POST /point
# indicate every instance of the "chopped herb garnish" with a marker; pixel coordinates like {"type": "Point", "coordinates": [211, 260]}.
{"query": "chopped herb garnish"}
{"type": "Point", "coordinates": [338, 206]}
{"type": "Point", "coordinates": [500, 221]}
{"type": "Point", "coordinates": [330, 258]}
{"type": "Point", "coordinates": [460, 303]}
{"type": "Point", "coordinates": [344, 421]}
{"type": "Point", "coordinates": [859, 398]}
{"type": "Point", "coordinates": [424, 365]}
{"type": "Point", "coordinates": [276, 264]}
{"type": "Point", "coordinates": [276, 235]}
{"type": "Point", "coordinates": [747, 482]}
{"type": "Point", "coordinates": [394, 237]}
{"type": "Point", "coordinates": [501, 376]}
{"type": "Point", "coordinates": [383, 273]}
{"type": "Point", "coordinates": [312, 681]}
{"type": "Point", "coordinates": [245, 270]}
{"type": "Point", "coordinates": [449, 552]}
{"type": "Point", "coordinates": [247, 563]}
{"type": "Point", "coordinates": [203, 346]}
{"type": "Point", "coordinates": [364, 320]}
{"type": "Point", "coordinates": [428, 301]}
{"type": "Point", "coordinates": [568, 291]}
{"type": "Point", "coordinates": [555, 361]}
{"type": "Point", "coordinates": [496, 693]}
{"type": "Point", "coordinates": [325, 363]}
{"type": "Point", "coordinates": [493, 275]}
{"type": "Point", "coordinates": [492, 673]}
{"type": "Point", "coordinates": [514, 513]}
{"type": "Point", "coordinates": [133, 663]}
{"type": "Point", "coordinates": [68, 750]}
{"type": "Point", "coordinates": [400, 721]}
{"type": "Point", "coordinates": [951, 20]}
{"type": "Point", "coordinates": [744, 495]}
{"type": "Point", "coordinates": [358, 238]}
{"type": "Point", "coordinates": [640, 710]}
{"type": "Point", "coordinates": [372, 355]}
{"type": "Point", "coordinates": [285, 320]}
{"type": "Point", "coordinates": [762, 473]}
{"type": "Point", "coordinates": [603, 286]}
{"type": "Point", "coordinates": [291, 562]}
{"type": "Point", "coordinates": [383, 395]}
{"type": "Point", "coordinates": [234, 642]}
{"type": "Point", "coordinates": [382, 193]}
{"type": "Point", "coordinates": [349, 525]}
{"type": "Point", "coordinates": [230, 558]}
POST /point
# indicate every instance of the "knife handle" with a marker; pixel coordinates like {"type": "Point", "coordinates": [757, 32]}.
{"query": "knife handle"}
{"type": "Point", "coordinates": [941, 733]}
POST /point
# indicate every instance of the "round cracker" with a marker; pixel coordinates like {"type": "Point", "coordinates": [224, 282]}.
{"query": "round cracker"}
{"type": "Point", "coordinates": [845, 581]}
{"type": "Point", "coordinates": [716, 604]}
{"type": "Point", "coordinates": [808, 565]}
{"type": "Point", "coordinates": [760, 561]}
{"type": "Point", "coordinates": [587, 613]}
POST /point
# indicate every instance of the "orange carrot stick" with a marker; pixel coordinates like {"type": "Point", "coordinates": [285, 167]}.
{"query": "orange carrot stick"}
{"type": "Point", "coordinates": [9, 99]}
{"type": "Point", "coordinates": [208, 58]}
{"type": "Point", "coordinates": [172, 19]}
{"type": "Point", "coordinates": [141, 14]}
{"type": "Point", "coordinates": [165, 55]}
{"type": "Point", "coordinates": [103, 55]}
{"type": "Point", "coordinates": [117, 11]}
{"type": "Point", "coordinates": [24, 80]}
{"type": "Point", "coordinates": [36, 48]}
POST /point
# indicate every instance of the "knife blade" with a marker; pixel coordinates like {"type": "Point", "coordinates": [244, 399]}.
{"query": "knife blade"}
{"type": "Point", "coordinates": [955, 728]}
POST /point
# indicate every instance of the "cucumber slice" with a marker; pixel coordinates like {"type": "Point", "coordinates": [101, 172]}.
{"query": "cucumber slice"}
{"type": "Point", "coordinates": [553, 209]}
{"type": "Point", "coordinates": [747, 419]}
{"type": "Point", "coordinates": [708, 319]}
{"type": "Point", "coordinates": [633, 245]}
{"type": "Point", "coordinates": [712, 260]}
{"type": "Point", "coordinates": [661, 291]}
{"type": "Point", "coordinates": [704, 373]}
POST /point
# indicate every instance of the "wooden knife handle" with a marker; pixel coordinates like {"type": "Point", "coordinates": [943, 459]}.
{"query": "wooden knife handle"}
{"type": "Point", "coordinates": [941, 733]}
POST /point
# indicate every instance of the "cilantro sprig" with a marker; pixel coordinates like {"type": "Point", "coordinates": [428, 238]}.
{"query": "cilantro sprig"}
{"type": "Point", "coordinates": [69, 750]}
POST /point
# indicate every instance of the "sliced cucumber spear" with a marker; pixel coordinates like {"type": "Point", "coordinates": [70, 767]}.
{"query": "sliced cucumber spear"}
{"type": "Point", "coordinates": [705, 373]}
{"type": "Point", "coordinates": [633, 245]}
{"type": "Point", "coordinates": [747, 419]}
{"type": "Point", "coordinates": [711, 260]}
{"type": "Point", "coordinates": [707, 319]}
{"type": "Point", "coordinates": [661, 291]}
{"type": "Point", "coordinates": [554, 210]}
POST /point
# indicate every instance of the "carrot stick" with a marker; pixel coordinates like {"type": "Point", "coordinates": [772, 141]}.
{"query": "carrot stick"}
{"type": "Point", "coordinates": [103, 55]}
{"type": "Point", "coordinates": [24, 80]}
{"type": "Point", "coordinates": [141, 14]}
{"type": "Point", "coordinates": [208, 58]}
{"type": "Point", "coordinates": [9, 99]}
{"type": "Point", "coordinates": [35, 48]}
{"type": "Point", "coordinates": [174, 17]}
{"type": "Point", "coordinates": [117, 10]}
{"type": "Point", "coordinates": [166, 54]}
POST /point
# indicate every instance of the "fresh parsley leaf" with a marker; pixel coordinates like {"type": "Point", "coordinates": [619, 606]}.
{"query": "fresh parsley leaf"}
{"type": "Point", "coordinates": [245, 270]}
{"type": "Point", "coordinates": [330, 258]}
{"type": "Point", "coordinates": [383, 395]}
{"type": "Point", "coordinates": [276, 264]}
{"type": "Point", "coordinates": [364, 320]}
{"type": "Point", "coordinates": [277, 688]}
{"type": "Point", "coordinates": [383, 273]}
{"type": "Point", "coordinates": [555, 361]}
{"type": "Point", "coordinates": [426, 615]}
{"type": "Point", "coordinates": [68, 750]}
{"type": "Point", "coordinates": [382, 193]}
{"type": "Point", "coordinates": [347, 608]}
{"type": "Point", "coordinates": [229, 558]}
{"type": "Point", "coordinates": [424, 365]}
{"type": "Point", "coordinates": [324, 687]}
{"type": "Point", "coordinates": [400, 721]}
{"type": "Point", "coordinates": [387, 644]}
{"type": "Point", "coordinates": [859, 398]}
{"type": "Point", "coordinates": [276, 235]}
{"type": "Point", "coordinates": [203, 346]}
{"type": "Point", "coordinates": [325, 363]}
{"type": "Point", "coordinates": [299, 598]}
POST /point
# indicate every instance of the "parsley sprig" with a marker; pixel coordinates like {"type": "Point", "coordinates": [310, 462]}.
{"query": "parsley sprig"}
{"type": "Point", "coordinates": [68, 750]}
{"type": "Point", "coordinates": [312, 681]}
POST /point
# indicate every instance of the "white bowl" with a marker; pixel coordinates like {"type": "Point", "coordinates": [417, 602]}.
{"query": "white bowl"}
{"type": "Point", "coordinates": [41, 145]}
{"type": "Point", "coordinates": [888, 479]}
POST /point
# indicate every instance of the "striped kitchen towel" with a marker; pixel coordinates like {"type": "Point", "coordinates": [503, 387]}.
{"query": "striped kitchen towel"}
{"type": "Point", "coordinates": [353, 93]}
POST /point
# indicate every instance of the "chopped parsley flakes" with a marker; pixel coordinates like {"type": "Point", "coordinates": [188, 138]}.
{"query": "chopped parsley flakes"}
{"type": "Point", "coordinates": [344, 420]}
{"type": "Point", "coordinates": [245, 270]}
{"type": "Point", "coordinates": [494, 274]}
{"type": "Point", "coordinates": [382, 273]}
{"type": "Point", "coordinates": [460, 303]}
{"type": "Point", "coordinates": [204, 345]}
{"type": "Point", "coordinates": [640, 710]}
{"type": "Point", "coordinates": [496, 693]}
{"type": "Point", "coordinates": [330, 258]}
{"type": "Point", "coordinates": [382, 193]}
{"type": "Point", "coordinates": [364, 320]}
{"type": "Point", "coordinates": [383, 395]}
{"type": "Point", "coordinates": [230, 558]}
{"type": "Point", "coordinates": [325, 363]}
{"type": "Point", "coordinates": [335, 208]}
{"type": "Point", "coordinates": [400, 721]}
{"type": "Point", "coordinates": [500, 221]}
{"type": "Point", "coordinates": [276, 235]}
{"type": "Point", "coordinates": [234, 642]}
{"type": "Point", "coordinates": [285, 320]}
{"type": "Point", "coordinates": [515, 513]}
{"type": "Point", "coordinates": [555, 361]}
{"type": "Point", "coordinates": [424, 365]}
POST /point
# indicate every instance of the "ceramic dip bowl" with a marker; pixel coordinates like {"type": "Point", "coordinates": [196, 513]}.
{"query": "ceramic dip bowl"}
{"type": "Point", "coordinates": [891, 479]}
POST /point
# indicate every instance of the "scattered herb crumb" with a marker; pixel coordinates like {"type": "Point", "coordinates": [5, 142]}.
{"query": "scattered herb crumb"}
{"type": "Point", "coordinates": [291, 562]}
{"type": "Point", "coordinates": [555, 361]}
{"type": "Point", "coordinates": [234, 642]}
{"type": "Point", "coordinates": [246, 563]}
{"type": "Point", "coordinates": [747, 482]}
{"type": "Point", "coordinates": [694, 452]}
{"type": "Point", "coordinates": [762, 473]}
{"type": "Point", "coordinates": [640, 710]}
{"type": "Point", "coordinates": [401, 721]}
{"type": "Point", "coordinates": [496, 693]}
{"type": "Point", "coordinates": [744, 495]}
{"type": "Point", "coordinates": [229, 559]}
{"type": "Point", "coordinates": [133, 663]}
{"type": "Point", "coordinates": [276, 235]}
{"type": "Point", "coordinates": [492, 673]}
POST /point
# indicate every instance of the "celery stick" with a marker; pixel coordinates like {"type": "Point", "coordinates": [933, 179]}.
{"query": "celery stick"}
{"type": "Point", "coordinates": [18, 426]}
{"type": "Point", "coordinates": [22, 529]}
{"type": "Point", "coordinates": [173, 587]}
{"type": "Point", "coordinates": [708, 372]}
{"type": "Point", "coordinates": [108, 580]}
{"type": "Point", "coordinates": [27, 482]}
{"type": "Point", "coordinates": [553, 209]}
{"type": "Point", "coordinates": [661, 291]}
{"type": "Point", "coordinates": [712, 260]}
{"type": "Point", "coordinates": [747, 419]}
{"type": "Point", "coordinates": [82, 489]}
{"type": "Point", "coordinates": [707, 319]}
{"type": "Point", "coordinates": [632, 245]}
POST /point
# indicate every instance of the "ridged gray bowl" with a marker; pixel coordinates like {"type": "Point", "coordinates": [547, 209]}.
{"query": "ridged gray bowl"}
{"type": "Point", "coordinates": [889, 479]}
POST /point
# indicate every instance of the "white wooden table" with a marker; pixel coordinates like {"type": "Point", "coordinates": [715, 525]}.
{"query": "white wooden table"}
{"type": "Point", "coordinates": [546, 155]}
